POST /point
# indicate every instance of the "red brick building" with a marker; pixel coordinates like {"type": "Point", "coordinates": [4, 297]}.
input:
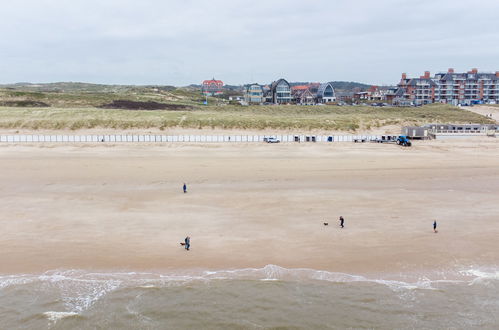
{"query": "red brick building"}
{"type": "Point", "coordinates": [450, 87]}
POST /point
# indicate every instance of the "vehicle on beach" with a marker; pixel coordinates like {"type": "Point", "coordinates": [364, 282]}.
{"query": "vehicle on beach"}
{"type": "Point", "coordinates": [271, 140]}
{"type": "Point", "coordinates": [401, 140]}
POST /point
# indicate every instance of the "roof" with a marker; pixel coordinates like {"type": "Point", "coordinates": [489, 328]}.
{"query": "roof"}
{"type": "Point", "coordinates": [414, 81]}
{"type": "Point", "coordinates": [300, 93]}
{"type": "Point", "coordinates": [275, 83]}
{"type": "Point", "coordinates": [323, 87]}
{"type": "Point", "coordinates": [300, 87]}
{"type": "Point", "coordinates": [247, 87]}
{"type": "Point", "coordinates": [213, 81]}
{"type": "Point", "coordinates": [399, 92]}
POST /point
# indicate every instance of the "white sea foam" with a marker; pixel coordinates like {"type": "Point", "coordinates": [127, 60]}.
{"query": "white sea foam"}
{"type": "Point", "coordinates": [275, 273]}
{"type": "Point", "coordinates": [6, 281]}
{"type": "Point", "coordinates": [56, 316]}
{"type": "Point", "coordinates": [481, 275]}
{"type": "Point", "coordinates": [79, 290]}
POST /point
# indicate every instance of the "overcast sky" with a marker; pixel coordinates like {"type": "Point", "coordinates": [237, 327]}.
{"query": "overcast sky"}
{"type": "Point", "coordinates": [179, 42]}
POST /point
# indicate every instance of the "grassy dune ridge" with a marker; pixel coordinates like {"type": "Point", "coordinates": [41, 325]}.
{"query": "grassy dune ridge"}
{"type": "Point", "coordinates": [77, 106]}
{"type": "Point", "coordinates": [348, 118]}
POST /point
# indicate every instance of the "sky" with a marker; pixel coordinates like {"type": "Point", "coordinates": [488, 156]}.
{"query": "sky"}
{"type": "Point", "coordinates": [182, 42]}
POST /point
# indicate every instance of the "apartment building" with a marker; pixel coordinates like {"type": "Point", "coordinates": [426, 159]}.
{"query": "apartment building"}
{"type": "Point", "coordinates": [467, 88]}
{"type": "Point", "coordinates": [450, 87]}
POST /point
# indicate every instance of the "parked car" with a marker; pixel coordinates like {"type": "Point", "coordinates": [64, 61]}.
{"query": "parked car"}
{"type": "Point", "coordinates": [271, 140]}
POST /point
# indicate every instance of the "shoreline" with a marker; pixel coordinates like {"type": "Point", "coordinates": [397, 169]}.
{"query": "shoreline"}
{"type": "Point", "coordinates": [270, 272]}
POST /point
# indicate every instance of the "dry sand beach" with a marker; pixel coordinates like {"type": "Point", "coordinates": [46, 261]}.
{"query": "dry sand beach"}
{"type": "Point", "coordinates": [122, 207]}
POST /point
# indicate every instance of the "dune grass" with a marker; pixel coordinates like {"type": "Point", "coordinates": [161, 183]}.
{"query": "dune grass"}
{"type": "Point", "coordinates": [235, 117]}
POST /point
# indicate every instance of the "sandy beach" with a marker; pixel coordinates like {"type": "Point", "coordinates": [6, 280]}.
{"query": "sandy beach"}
{"type": "Point", "coordinates": [121, 207]}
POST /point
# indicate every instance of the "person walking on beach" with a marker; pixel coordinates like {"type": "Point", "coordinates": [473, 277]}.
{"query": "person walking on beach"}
{"type": "Point", "coordinates": [435, 226]}
{"type": "Point", "coordinates": [342, 221]}
{"type": "Point", "coordinates": [187, 243]}
{"type": "Point", "coordinates": [185, 188]}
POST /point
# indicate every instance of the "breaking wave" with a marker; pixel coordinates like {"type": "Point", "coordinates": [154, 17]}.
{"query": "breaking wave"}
{"type": "Point", "coordinates": [79, 290]}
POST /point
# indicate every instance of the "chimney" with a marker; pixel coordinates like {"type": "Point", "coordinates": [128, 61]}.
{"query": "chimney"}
{"type": "Point", "coordinates": [404, 76]}
{"type": "Point", "coordinates": [497, 74]}
{"type": "Point", "coordinates": [427, 74]}
{"type": "Point", "coordinates": [451, 70]}
{"type": "Point", "coordinates": [474, 70]}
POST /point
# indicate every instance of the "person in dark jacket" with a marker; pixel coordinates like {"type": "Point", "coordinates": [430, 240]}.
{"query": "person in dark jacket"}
{"type": "Point", "coordinates": [185, 188]}
{"type": "Point", "coordinates": [435, 226]}
{"type": "Point", "coordinates": [187, 243]}
{"type": "Point", "coordinates": [342, 221]}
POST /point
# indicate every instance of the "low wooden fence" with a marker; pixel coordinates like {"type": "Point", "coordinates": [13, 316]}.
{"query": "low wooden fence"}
{"type": "Point", "coordinates": [20, 138]}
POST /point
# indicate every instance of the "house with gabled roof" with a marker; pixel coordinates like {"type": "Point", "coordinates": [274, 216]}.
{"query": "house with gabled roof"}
{"type": "Point", "coordinates": [302, 95]}
{"type": "Point", "coordinates": [212, 87]}
{"type": "Point", "coordinates": [279, 92]}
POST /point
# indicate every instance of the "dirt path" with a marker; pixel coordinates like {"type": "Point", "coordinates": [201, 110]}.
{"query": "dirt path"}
{"type": "Point", "coordinates": [485, 110]}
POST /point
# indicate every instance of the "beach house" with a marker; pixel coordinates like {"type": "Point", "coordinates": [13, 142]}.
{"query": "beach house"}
{"type": "Point", "coordinates": [302, 95]}
{"type": "Point", "coordinates": [279, 92]}
{"type": "Point", "coordinates": [325, 93]}
{"type": "Point", "coordinates": [253, 94]}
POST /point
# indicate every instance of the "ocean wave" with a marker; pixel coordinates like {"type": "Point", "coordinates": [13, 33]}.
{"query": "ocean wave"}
{"type": "Point", "coordinates": [79, 289]}
{"type": "Point", "coordinates": [480, 276]}
{"type": "Point", "coordinates": [276, 273]}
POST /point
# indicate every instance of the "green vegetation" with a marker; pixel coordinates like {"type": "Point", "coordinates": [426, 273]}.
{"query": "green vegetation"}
{"type": "Point", "coordinates": [255, 117]}
{"type": "Point", "coordinates": [78, 95]}
{"type": "Point", "coordinates": [77, 106]}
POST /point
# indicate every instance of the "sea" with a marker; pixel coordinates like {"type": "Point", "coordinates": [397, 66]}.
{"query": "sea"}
{"type": "Point", "coordinates": [271, 297]}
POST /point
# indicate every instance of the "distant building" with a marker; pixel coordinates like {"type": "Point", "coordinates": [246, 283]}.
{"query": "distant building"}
{"type": "Point", "coordinates": [450, 87]}
{"type": "Point", "coordinates": [253, 94]}
{"type": "Point", "coordinates": [467, 88]}
{"type": "Point", "coordinates": [212, 87]}
{"type": "Point", "coordinates": [302, 95]}
{"type": "Point", "coordinates": [374, 93]}
{"type": "Point", "coordinates": [279, 92]}
{"type": "Point", "coordinates": [396, 96]}
{"type": "Point", "coordinates": [361, 96]}
{"type": "Point", "coordinates": [377, 94]}
{"type": "Point", "coordinates": [344, 96]}
{"type": "Point", "coordinates": [325, 93]}
{"type": "Point", "coordinates": [417, 91]}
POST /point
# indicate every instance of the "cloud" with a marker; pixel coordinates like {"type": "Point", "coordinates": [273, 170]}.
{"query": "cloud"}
{"type": "Point", "coordinates": [182, 42]}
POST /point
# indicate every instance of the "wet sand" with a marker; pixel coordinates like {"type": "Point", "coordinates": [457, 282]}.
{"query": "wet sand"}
{"type": "Point", "coordinates": [122, 207]}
